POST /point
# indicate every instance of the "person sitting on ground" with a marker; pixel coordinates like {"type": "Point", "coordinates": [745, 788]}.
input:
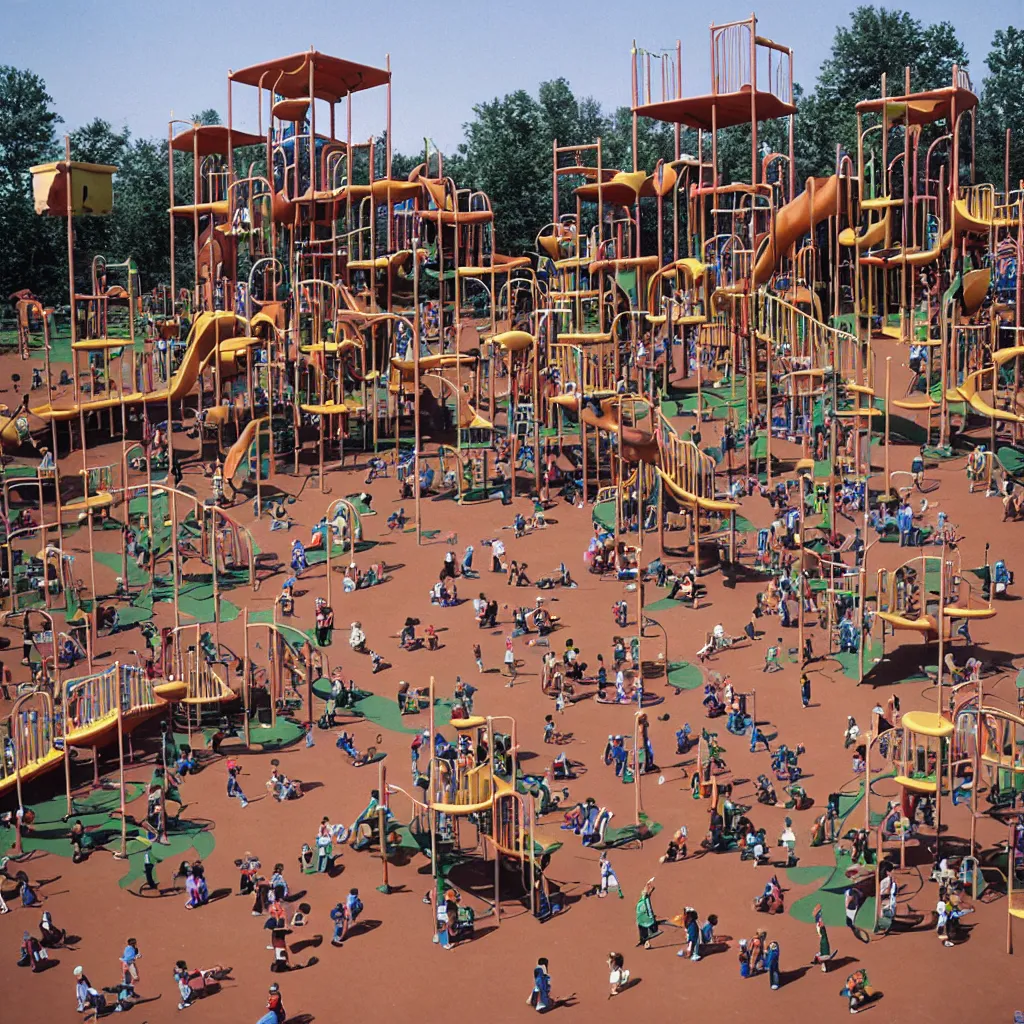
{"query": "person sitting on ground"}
{"type": "Point", "coordinates": [50, 936]}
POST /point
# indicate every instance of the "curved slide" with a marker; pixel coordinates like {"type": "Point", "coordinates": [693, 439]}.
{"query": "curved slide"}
{"type": "Point", "coordinates": [791, 222]}
{"type": "Point", "coordinates": [640, 446]}
{"type": "Point", "coordinates": [877, 233]}
{"type": "Point", "coordinates": [969, 389]}
{"type": "Point", "coordinates": [925, 624]}
{"type": "Point", "coordinates": [238, 452]}
{"type": "Point", "coordinates": [637, 445]}
{"type": "Point", "coordinates": [208, 331]}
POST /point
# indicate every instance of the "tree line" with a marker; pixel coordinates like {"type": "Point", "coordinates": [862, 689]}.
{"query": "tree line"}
{"type": "Point", "coordinates": [505, 152]}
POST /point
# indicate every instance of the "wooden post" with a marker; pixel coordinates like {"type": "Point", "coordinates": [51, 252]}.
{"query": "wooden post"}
{"type": "Point", "coordinates": [416, 370]}
{"type": "Point", "coordinates": [941, 616]}
{"type": "Point", "coordinates": [246, 672]}
{"type": "Point", "coordinates": [382, 816]}
{"type": "Point", "coordinates": [1010, 862]}
{"type": "Point", "coordinates": [888, 403]}
{"type": "Point", "coordinates": [123, 854]}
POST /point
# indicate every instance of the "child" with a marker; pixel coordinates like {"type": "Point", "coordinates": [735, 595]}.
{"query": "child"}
{"type": "Point", "coordinates": [692, 949]}
{"type": "Point", "coordinates": [540, 997]}
{"type": "Point", "coordinates": [478, 657]}
{"type": "Point", "coordinates": [549, 729]}
{"type": "Point", "coordinates": [825, 951]}
{"type": "Point", "coordinates": [744, 959]}
{"type": "Point", "coordinates": [618, 977]}
{"type": "Point", "coordinates": [608, 878]}
{"type": "Point", "coordinates": [341, 918]}
{"type": "Point", "coordinates": [234, 789]}
{"type": "Point", "coordinates": [771, 964]}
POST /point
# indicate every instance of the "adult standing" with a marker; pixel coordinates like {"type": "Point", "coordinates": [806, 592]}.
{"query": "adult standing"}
{"type": "Point", "coordinates": [646, 921]}
{"type": "Point", "coordinates": [497, 553]}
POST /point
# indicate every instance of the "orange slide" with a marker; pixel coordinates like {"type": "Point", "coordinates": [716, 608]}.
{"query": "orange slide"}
{"type": "Point", "coordinates": [239, 451]}
{"type": "Point", "coordinates": [792, 221]}
{"type": "Point", "coordinates": [210, 333]}
{"type": "Point", "coordinates": [637, 445]}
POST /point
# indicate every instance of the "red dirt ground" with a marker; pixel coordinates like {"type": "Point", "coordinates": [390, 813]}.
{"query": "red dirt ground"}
{"type": "Point", "coordinates": [492, 975]}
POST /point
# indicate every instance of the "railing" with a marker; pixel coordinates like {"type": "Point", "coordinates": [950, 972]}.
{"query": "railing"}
{"type": "Point", "coordinates": [798, 335]}
{"type": "Point", "coordinates": [683, 462]}
{"type": "Point", "coordinates": [735, 53]}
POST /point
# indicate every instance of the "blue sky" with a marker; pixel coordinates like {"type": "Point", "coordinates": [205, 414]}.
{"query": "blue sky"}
{"type": "Point", "coordinates": [136, 63]}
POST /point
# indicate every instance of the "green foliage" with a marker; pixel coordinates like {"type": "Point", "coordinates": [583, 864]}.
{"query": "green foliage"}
{"type": "Point", "coordinates": [876, 41]}
{"type": "Point", "coordinates": [507, 154]}
{"type": "Point", "coordinates": [1002, 107]}
{"type": "Point", "coordinates": [27, 127]}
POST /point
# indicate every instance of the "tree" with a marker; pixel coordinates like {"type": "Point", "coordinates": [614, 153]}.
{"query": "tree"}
{"type": "Point", "coordinates": [27, 137]}
{"type": "Point", "coordinates": [876, 41]}
{"type": "Point", "coordinates": [507, 154]}
{"type": "Point", "coordinates": [27, 125]}
{"type": "Point", "coordinates": [1002, 107]}
{"type": "Point", "coordinates": [139, 222]}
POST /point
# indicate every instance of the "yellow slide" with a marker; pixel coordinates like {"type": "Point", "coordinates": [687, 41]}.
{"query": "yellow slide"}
{"type": "Point", "coordinates": [924, 624]}
{"type": "Point", "coordinates": [208, 332]}
{"type": "Point", "coordinates": [694, 500]}
{"type": "Point", "coordinates": [792, 221]}
{"type": "Point", "coordinates": [876, 234]}
{"type": "Point", "coordinates": [969, 389]}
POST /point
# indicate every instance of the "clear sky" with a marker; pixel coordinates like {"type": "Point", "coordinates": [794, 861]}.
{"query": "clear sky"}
{"type": "Point", "coordinates": [135, 63]}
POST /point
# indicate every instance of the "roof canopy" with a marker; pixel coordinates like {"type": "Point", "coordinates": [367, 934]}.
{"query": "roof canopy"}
{"type": "Point", "coordinates": [210, 139]}
{"type": "Point", "coordinates": [731, 108]}
{"type": "Point", "coordinates": [922, 107]}
{"type": "Point", "coordinates": [333, 78]}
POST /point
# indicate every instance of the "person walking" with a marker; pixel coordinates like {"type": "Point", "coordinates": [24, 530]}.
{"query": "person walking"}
{"type": "Point", "coordinates": [150, 872]}
{"type": "Point", "coordinates": [497, 552]}
{"type": "Point", "coordinates": [608, 877]}
{"type": "Point", "coordinates": [618, 976]}
{"type": "Point", "coordinates": [646, 921]}
{"type": "Point", "coordinates": [129, 965]}
{"type": "Point", "coordinates": [324, 839]}
{"type": "Point", "coordinates": [234, 789]}
{"type": "Point", "coordinates": [540, 996]}
{"type": "Point", "coordinates": [825, 950]}
{"type": "Point", "coordinates": [510, 661]}
{"type": "Point", "coordinates": [478, 657]}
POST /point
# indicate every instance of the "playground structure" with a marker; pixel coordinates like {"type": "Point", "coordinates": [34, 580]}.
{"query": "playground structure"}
{"type": "Point", "coordinates": [374, 304]}
{"type": "Point", "coordinates": [479, 783]}
{"type": "Point", "coordinates": [334, 310]}
{"type": "Point", "coordinates": [924, 591]}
